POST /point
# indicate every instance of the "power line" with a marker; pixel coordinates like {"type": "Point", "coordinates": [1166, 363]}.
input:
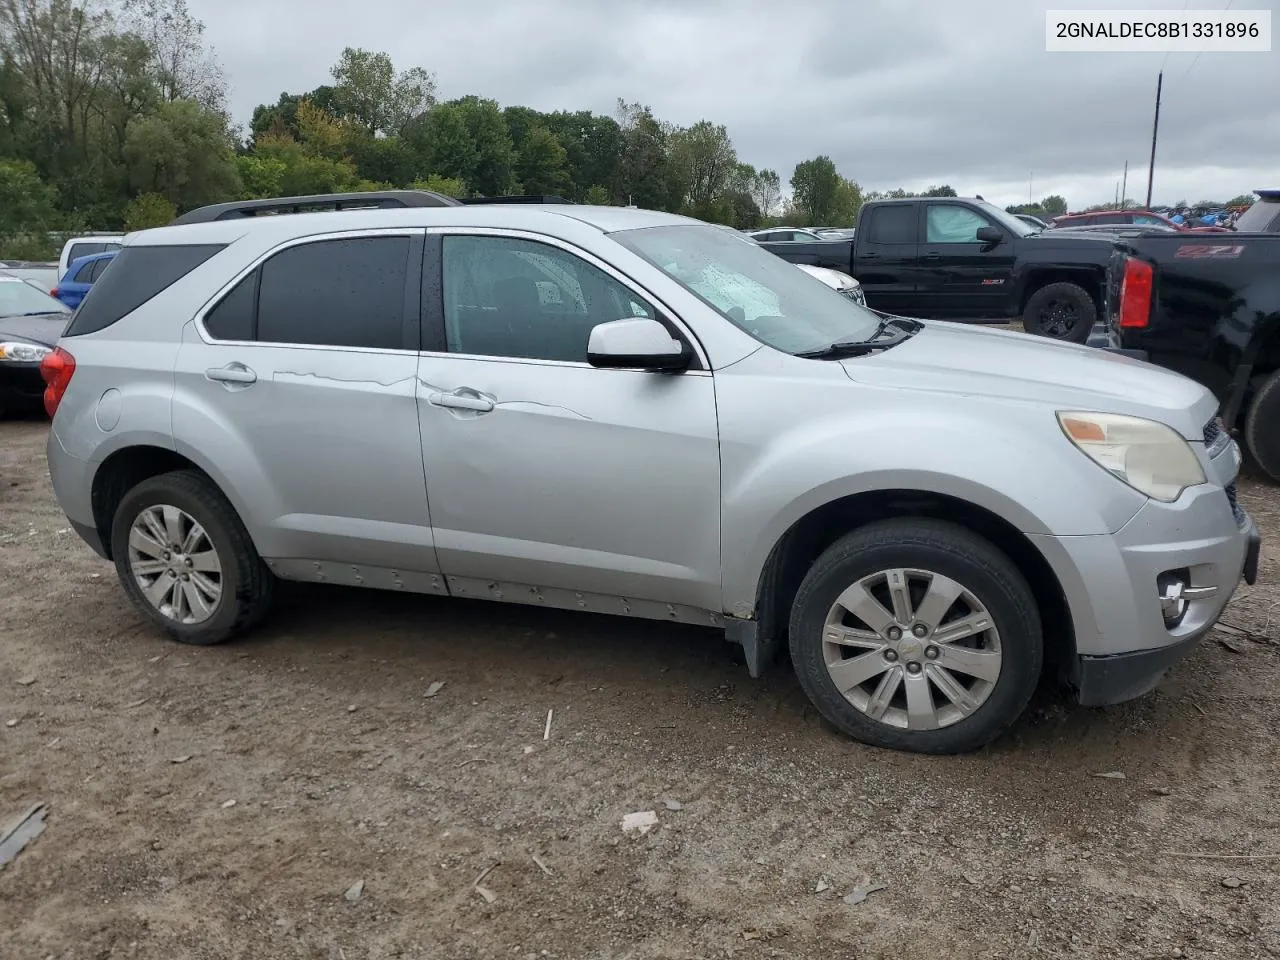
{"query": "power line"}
{"type": "Point", "coordinates": [1201, 50]}
{"type": "Point", "coordinates": [1167, 52]}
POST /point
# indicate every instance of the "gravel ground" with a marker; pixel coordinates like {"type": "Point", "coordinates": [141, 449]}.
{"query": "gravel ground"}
{"type": "Point", "coordinates": [230, 801]}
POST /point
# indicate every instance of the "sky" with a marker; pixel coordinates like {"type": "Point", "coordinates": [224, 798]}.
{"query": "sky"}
{"type": "Point", "coordinates": [903, 93]}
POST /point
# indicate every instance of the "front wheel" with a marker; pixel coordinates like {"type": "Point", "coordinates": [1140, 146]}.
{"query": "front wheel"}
{"type": "Point", "coordinates": [917, 635]}
{"type": "Point", "coordinates": [1060, 311]}
{"type": "Point", "coordinates": [185, 559]}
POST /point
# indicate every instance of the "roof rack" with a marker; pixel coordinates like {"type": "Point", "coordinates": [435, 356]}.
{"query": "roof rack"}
{"type": "Point", "coordinates": [533, 198]}
{"type": "Point", "coordinates": [376, 199]}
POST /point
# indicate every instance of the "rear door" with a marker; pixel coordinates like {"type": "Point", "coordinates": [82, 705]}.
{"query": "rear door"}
{"type": "Point", "coordinates": [297, 381]}
{"type": "Point", "coordinates": [963, 276]}
{"type": "Point", "coordinates": [886, 261]}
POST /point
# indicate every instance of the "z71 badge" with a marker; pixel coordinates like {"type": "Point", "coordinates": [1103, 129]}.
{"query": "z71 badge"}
{"type": "Point", "coordinates": [1207, 251]}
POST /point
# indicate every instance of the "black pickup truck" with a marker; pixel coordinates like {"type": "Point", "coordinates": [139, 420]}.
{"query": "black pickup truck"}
{"type": "Point", "coordinates": [1206, 306]}
{"type": "Point", "coordinates": [960, 259]}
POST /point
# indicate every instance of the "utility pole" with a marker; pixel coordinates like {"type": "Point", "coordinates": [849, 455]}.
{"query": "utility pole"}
{"type": "Point", "coordinates": [1155, 128]}
{"type": "Point", "coordinates": [1117, 203]}
{"type": "Point", "coordinates": [1124, 189]}
{"type": "Point", "coordinates": [1031, 196]}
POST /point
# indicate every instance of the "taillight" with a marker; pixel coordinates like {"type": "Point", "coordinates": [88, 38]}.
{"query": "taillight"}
{"type": "Point", "coordinates": [1135, 294]}
{"type": "Point", "coordinates": [54, 293]}
{"type": "Point", "coordinates": [56, 369]}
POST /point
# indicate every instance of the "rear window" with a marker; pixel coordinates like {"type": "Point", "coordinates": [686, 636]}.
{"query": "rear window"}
{"type": "Point", "coordinates": [1262, 217]}
{"type": "Point", "coordinates": [138, 274]}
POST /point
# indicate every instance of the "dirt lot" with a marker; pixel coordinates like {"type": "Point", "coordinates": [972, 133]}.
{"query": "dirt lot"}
{"type": "Point", "coordinates": [219, 802]}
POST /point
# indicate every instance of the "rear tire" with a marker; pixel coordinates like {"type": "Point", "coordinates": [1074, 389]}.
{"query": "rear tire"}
{"type": "Point", "coordinates": [959, 670]}
{"type": "Point", "coordinates": [1060, 311]}
{"type": "Point", "coordinates": [186, 560]}
{"type": "Point", "coordinates": [1262, 426]}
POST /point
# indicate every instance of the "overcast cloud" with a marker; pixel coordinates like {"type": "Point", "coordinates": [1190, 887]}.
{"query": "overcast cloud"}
{"type": "Point", "coordinates": [897, 92]}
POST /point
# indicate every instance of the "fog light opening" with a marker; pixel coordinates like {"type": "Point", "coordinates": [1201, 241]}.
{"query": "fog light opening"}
{"type": "Point", "coordinates": [1172, 587]}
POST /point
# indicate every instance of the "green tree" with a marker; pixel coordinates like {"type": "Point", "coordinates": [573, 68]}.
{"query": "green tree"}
{"type": "Point", "coordinates": [942, 191]}
{"type": "Point", "coordinates": [766, 191]}
{"type": "Point", "coordinates": [182, 152]}
{"type": "Point", "coordinates": [449, 186]}
{"type": "Point", "coordinates": [443, 144]}
{"type": "Point", "coordinates": [368, 89]}
{"type": "Point", "coordinates": [815, 189]}
{"type": "Point", "coordinates": [642, 163]}
{"type": "Point", "coordinates": [27, 203]}
{"type": "Point", "coordinates": [1054, 205]}
{"type": "Point", "coordinates": [593, 148]}
{"type": "Point", "coordinates": [542, 163]}
{"type": "Point", "coordinates": [703, 158]}
{"type": "Point", "coordinates": [148, 210]}
{"type": "Point", "coordinates": [179, 63]}
{"type": "Point", "coordinates": [1240, 200]}
{"type": "Point", "coordinates": [597, 196]}
{"type": "Point", "coordinates": [261, 176]}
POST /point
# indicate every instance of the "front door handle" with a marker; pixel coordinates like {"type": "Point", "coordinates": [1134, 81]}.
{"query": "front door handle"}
{"type": "Point", "coordinates": [933, 256]}
{"type": "Point", "coordinates": [464, 398]}
{"type": "Point", "coordinates": [236, 373]}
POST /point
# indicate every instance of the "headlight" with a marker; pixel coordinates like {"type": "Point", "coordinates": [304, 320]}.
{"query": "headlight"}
{"type": "Point", "coordinates": [19, 351]}
{"type": "Point", "coordinates": [1148, 456]}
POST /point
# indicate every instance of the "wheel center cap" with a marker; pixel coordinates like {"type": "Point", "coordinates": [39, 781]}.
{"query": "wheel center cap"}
{"type": "Point", "coordinates": [911, 648]}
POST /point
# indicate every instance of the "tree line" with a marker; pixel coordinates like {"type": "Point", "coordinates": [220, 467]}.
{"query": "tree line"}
{"type": "Point", "coordinates": [113, 115]}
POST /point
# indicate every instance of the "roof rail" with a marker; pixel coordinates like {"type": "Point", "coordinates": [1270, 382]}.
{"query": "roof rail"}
{"type": "Point", "coordinates": [377, 199]}
{"type": "Point", "coordinates": [533, 198]}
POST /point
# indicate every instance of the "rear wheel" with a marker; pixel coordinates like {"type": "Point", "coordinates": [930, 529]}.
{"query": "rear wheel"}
{"type": "Point", "coordinates": [1060, 311]}
{"type": "Point", "coordinates": [1262, 426]}
{"type": "Point", "coordinates": [186, 560]}
{"type": "Point", "coordinates": [917, 635]}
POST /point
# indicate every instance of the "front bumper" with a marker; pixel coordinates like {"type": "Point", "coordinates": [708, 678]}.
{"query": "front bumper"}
{"type": "Point", "coordinates": [1113, 588]}
{"type": "Point", "coordinates": [21, 384]}
{"type": "Point", "coordinates": [1104, 680]}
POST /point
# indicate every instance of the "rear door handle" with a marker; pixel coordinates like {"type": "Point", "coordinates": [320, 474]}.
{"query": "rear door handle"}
{"type": "Point", "coordinates": [231, 373]}
{"type": "Point", "coordinates": [933, 256]}
{"type": "Point", "coordinates": [464, 398]}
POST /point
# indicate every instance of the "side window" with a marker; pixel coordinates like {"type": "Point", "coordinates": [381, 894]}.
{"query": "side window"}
{"type": "Point", "coordinates": [342, 293]}
{"type": "Point", "coordinates": [947, 223]}
{"type": "Point", "coordinates": [98, 266]}
{"type": "Point", "coordinates": [892, 224]}
{"type": "Point", "coordinates": [1147, 221]}
{"type": "Point", "coordinates": [79, 250]}
{"type": "Point", "coordinates": [232, 317]}
{"type": "Point", "coordinates": [85, 273]}
{"type": "Point", "coordinates": [506, 297]}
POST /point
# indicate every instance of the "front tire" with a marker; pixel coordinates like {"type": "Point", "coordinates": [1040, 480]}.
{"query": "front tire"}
{"type": "Point", "coordinates": [1262, 426]}
{"type": "Point", "coordinates": [185, 559]}
{"type": "Point", "coordinates": [1060, 311]}
{"type": "Point", "coordinates": [917, 635]}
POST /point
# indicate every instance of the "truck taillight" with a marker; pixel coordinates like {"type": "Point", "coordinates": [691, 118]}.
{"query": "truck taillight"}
{"type": "Point", "coordinates": [56, 370]}
{"type": "Point", "coordinates": [1135, 294]}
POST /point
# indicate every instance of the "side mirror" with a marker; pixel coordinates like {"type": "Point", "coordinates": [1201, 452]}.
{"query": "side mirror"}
{"type": "Point", "coordinates": [635, 343]}
{"type": "Point", "coordinates": [990, 235]}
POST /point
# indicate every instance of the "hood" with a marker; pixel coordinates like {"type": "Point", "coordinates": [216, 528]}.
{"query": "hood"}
{"type": "Point", "coordinates": [962, 359]}
{"type": "Point", "coordinates": [44, 329]}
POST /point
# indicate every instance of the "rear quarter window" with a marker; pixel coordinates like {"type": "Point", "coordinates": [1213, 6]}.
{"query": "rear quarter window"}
{"type": "Point", "coordinates": [1262, 217]}
{"type": "Point", "coordinates": [137, 274]}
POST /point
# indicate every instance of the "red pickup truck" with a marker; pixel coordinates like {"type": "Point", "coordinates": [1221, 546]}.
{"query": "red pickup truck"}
{"type": "Point", "coordinates": [1141, 218]}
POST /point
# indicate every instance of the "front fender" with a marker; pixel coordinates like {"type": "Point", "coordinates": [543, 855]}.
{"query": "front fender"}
{"type": "Point", "coordinates": [995, 455]}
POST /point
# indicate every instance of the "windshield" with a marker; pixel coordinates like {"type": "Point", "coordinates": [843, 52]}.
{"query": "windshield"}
{"type": "Point", "coordinates": [758, 292]}
{"type": "Point", "coordinates": [1019, 228]}
{"type": "Point", "coordinates": [1258, 217]}
{"type": "Point", "coordinates": [17, 298]}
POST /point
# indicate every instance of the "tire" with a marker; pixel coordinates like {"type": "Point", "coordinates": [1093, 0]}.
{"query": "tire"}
{"type": "Point", "coordinates": [246, 585]}
{"type": "Point", "coordinates": [1060, 311]}
{"type": "Point", "coordinates": [924, 550]}
{"type": "Point", "coordinates": [1262, 426]}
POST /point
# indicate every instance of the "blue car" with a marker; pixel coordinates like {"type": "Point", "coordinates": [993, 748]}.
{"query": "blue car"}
{"type": "Point", "coordinates": [80, 275]}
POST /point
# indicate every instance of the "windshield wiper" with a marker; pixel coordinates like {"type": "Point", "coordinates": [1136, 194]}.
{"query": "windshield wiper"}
{"type": "Point", "coordinates": [906, 329]}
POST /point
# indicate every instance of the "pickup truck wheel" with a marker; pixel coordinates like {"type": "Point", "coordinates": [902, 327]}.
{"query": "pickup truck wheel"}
{"type": "Point", "coordinates": [1262, 426]}
{"type": "Point", "coordinates": [186, 560]}
{"type": "Point", "coordinates": [917, 635]}
{"type": "Point", "coordinates": [1060, 311]}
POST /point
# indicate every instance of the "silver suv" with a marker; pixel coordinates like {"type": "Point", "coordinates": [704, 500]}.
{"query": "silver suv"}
{"type": "Point", "coordinates": [628, 412]}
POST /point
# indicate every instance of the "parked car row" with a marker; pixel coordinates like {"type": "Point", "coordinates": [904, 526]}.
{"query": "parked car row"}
{"type": "Point", "coordinates": [635, 413]}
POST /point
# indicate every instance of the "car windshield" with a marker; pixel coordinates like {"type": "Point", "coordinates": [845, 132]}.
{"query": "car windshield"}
{"type": "Point", "coordinates": [1019, 228]}
{"type": "Point", "coordinates": [18, 298]}
{"type": "Point", "coordinates": [758, 292]}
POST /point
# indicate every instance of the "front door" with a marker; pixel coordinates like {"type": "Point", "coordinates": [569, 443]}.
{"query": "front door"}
{"type": "Point", "coordinates": [299, 382]}
{"type": "Point", "coordinates": [963, 276]}
{"type": "Point", "coordinates": [885, 261]}
{"type": "Point", "coordinates": [550, 480]}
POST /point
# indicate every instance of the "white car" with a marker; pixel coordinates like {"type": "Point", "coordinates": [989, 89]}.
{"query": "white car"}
{"type": "Point", "coordinates": [841, 283]}
{"type": "Point", "coordinates": [84, 246]}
